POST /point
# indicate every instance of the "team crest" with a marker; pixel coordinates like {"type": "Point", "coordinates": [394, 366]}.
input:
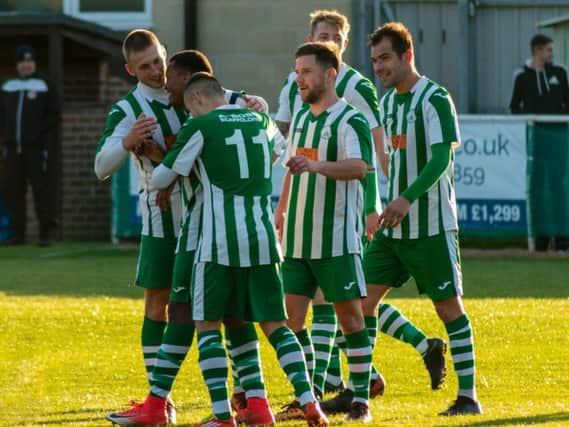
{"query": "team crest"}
{"type": "Point", "coordinates": [32, 94]}
{"type": "Point", "coordinates": [389, 121]}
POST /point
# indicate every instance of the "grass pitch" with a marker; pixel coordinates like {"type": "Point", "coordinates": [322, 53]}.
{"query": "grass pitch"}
{"type": "Point", "coordinates": [69, 343]}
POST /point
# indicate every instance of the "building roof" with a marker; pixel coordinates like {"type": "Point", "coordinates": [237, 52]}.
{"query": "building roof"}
{"type": "Point", "coordinates": [95, 36]}
{"type": "Point", "coordinates": [554, 22]}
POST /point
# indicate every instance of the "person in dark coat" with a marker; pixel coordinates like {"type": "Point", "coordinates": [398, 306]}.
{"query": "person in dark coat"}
{"type": "Point", "coordinates": [541, 87]}
{"type": "Point", "coordinates": [29, 110]}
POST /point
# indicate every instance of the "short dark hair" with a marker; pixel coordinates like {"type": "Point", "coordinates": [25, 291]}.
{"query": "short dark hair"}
{"type": "Point", "coordinates": [400, 37]}
{"type": "Point", "coordinates": [539, 40]}
{"type": "Point", "coordinates": [327, 53]}
{"type": "Point", "coordinates": [206, 83]}
{"type": "Point", "coordinates": [138, 40]}
{"type": "Point", "coordinates": [192, 61]}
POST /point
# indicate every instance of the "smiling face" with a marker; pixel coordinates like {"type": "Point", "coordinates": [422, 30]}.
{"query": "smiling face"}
{"type": "Point", "coordinates": [311, 78]}
{"type": "Point", "coordinates": [148, 66]}
{"type": "Point", "coordinates": [391, 68]}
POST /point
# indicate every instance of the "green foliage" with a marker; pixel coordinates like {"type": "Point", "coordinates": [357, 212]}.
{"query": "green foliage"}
{"type": "Point", "coordinates": [69, 343]}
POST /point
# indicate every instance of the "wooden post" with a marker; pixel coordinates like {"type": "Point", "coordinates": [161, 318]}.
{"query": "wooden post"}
{"type": "Point", "coordinates": [54, 165]}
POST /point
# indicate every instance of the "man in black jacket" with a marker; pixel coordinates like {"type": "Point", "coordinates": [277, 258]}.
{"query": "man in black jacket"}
{"type": "Point", "coordinates": [29, 110]}
{"type": "Point", "coordinates": [540, 87]}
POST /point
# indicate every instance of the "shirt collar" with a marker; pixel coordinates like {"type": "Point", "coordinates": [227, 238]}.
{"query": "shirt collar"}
{"type": "Point", "coordinates": [229, 107]}
{"type": "Point", "coordinates": [160, 95]}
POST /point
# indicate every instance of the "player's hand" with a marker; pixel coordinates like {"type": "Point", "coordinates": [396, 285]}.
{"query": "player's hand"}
{"type": "Point", "coordinates": [163, 197]}
{"type": "Point", "coordinates": [140, 131]}
{"type": "Point", "coordinates": [372, 225]}
{"type": "Point", "coordinates": [254, 103]}
{"type": "Point", "coordinates": [300, 164]}
{"type": "Point", "coordinates": [394, 213]}
{"type": "Point", "coordinates": [148, 148]}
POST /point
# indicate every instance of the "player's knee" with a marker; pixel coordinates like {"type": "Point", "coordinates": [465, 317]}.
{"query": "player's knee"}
{"type": "Point", "coordinates": [232, 322]}
{"type": "Point", "coordinates": [449, 309]}
{"type": "Point", "coordinates": [179, 312]}
{"type": "Point", "coordinates": [155, 303]}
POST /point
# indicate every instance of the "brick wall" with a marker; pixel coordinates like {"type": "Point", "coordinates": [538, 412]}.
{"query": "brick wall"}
{"type": "Point", "coordinates": [85, 200]}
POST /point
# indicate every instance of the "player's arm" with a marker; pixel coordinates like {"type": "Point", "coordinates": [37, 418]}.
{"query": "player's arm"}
{"type": "Point", "coordinates": [356, 142]}
{"type": "Point", "coordinates": [253, 102]}
{"type": "Point", "coordinates": [280, 210]}
{"type": "Point", "coordinates": [429, 176]}
{"type": "Point", "coordinates": [284, 127]}
{"type": "Point", "coordinates": [122, 134]}
{"type": "Point", "coordinates": [283, 116]}
{"type": "Point", "coordinates": [443, 134]}
{"type": "Point", "coordinates": [279, 141]}
{"type": "Point", "coordinates": [342, 170]}
{"type": "Point", "coordinates": [180, 159]}
{"type": "Point", "coordinates": [150, 149]}
{"type": "Point", "coordinates": [364, 98]}
{"type": "Point", "coordinates": [379, 144]}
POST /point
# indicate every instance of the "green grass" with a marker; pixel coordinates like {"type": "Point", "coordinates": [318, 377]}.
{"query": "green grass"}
{"type": "Point", "coordinates": [69, 343]}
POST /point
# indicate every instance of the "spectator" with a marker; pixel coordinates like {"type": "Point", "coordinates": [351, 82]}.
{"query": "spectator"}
{"type": "Point", "coordinates": [540, 87]}
{"type": "Point", "coordinates": [29, 110]}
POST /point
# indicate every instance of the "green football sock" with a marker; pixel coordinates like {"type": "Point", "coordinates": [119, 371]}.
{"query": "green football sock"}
{"type": "Point", "coordinates": [324, 324]}
{"type": "Point", "coordinates": [334, 372]}
{"type": "Point", "coordinates": [391, 322]}
{"type": "Point", "coordinates": [371, 326]}
{"type": "Point", "coordinates": [244, 354]}
{"type": "Point", "coordinates": [358, 350]}
{"type": "Point", "coordinates": [213, 364]}
{"type": "Point", "coordinates": [236, 383]}
{"type": "Point", "coordinates": [289, 353]}
{"type": "Point", "coordinates": [304, 339]}
{"type": "Point", "coordinates": [462, 351]}
{"type": "Point", "coordinates": [151, 338]}
{"type": "Point", "coordinates": [175, 345]}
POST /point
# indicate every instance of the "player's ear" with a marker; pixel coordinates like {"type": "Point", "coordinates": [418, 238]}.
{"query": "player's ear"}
{"type": "Point", "coordinates": [332, 73]}
{"type": "Point", "coordinates": [309, 38]}
{"type": "Point", "coordinates": [129, 70]}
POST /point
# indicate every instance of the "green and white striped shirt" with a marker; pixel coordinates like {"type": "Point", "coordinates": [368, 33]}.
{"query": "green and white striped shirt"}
{"type": "Point", "coordinates": [356, 90]}
{"type": "Point", "coordinates": [412, 123]}
{"type": "Point", "coordinates": [325, 216]}
{"type": "Point", "coordinates": [111, 154]}
{"type": "Point", "coordinates": [192, 194]}
{"type": "Point", "coordinates": [192, 198]}
{"type": "Point", "coordinates": [232, 149]}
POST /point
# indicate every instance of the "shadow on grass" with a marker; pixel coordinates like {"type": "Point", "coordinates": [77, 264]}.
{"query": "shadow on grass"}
{"type": "Point", "coordinates": [97, 416]}
{"type": "Point", "coordinates": [556, 417]}
{"type": "Point", "coordinates": [102, 269]}
{"type": "Point", "coordinates": [70, 269]}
